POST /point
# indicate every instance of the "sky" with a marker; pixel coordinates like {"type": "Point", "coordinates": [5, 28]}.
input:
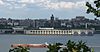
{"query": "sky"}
{"type": "Point", "coordinates": [43, 9]}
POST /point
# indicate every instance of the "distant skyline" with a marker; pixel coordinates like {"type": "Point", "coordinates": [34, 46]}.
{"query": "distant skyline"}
{"type": "Point", "coordinates": [43, 9]}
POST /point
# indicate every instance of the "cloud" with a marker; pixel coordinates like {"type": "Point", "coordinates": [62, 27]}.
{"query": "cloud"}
{"type": "Point", "coordinates": [12, 4]}
{"type": "Point", "coordinates": [48, 4]}
{"type": "Point", "coordinates": [26, 1]}
{"type": "Point", "coordinates": [1, 2]}
{"type": "Point", "coordinates": [62, 4]}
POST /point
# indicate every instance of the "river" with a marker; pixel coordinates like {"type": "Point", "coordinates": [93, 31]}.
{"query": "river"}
{"type": "Point", "coordinates": [6, 40]}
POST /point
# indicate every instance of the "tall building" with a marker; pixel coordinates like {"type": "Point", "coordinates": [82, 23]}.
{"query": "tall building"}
{"type": "Point", "coordinates": [52, 17]}
{"type": "Point", "coordinates": [52, 21]}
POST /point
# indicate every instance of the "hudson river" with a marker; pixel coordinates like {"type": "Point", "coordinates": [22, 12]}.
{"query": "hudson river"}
{"type": "Point", "coordinates": [7, 40]}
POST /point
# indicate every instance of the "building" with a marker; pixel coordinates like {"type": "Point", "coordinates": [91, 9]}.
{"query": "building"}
{"type": "Point", "coordinates": [3, 21]}
{"type": "Point", "coordinates": [52, 21]}
{"type": "Point", "coordinates": [18, 30]}
{"type": "Point", "coordinates": [52, 31]}
{"type": "Point", "coordinates": [4, 31]}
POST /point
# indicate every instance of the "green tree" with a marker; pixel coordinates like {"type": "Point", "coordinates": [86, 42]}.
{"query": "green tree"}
{"type": "Point", "coordinates": [64, 50]}
{"type": "Point", "coordinates": [94, 9]}
{"type": "Point", "coordinates": [72, 46]}
{"type": "Point", "coordinates": [20, 49]}
{"type": "Point", "coordinates": [54, 47]}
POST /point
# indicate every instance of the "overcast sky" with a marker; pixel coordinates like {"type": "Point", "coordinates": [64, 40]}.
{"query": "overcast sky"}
{"type": "Point", "coordinates": [63, 9]}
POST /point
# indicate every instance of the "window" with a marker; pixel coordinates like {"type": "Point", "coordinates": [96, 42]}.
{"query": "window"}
{"type": "Point", "coordinates": [70, 31]}
{"type": "Point", "coordinates": [30, 31]}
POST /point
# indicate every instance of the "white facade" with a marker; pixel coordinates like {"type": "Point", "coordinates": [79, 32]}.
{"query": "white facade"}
{"type": "Point", "coordinates": [58, 32]}
{"type": "Point", "coordinates": [46, 32]}
{"type": "Point", "coordinates": [45, 28]}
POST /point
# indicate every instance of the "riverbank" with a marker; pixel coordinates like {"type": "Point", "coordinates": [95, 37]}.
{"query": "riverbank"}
{"type": "Point", "coordinates": [46, 35]}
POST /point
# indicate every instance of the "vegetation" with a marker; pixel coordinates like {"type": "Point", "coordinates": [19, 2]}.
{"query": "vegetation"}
{"type": "Point", "coordinates": [54, 47]}
{"type": "Point", "coordinates": [71, 46]}
{"type": "Point", "coordinates": [94, 9]}
{"type": "Point", "coordinates": [20, 49]}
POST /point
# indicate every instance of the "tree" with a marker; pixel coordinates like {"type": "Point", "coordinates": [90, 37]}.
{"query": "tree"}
{"type": "Point", "coordinates": [95, 10]}
{"type": "Point", "coordinates": [20, 49]}
{"type": "Point", "coordinates": [70, 46]}
{"type": "Point", "coordinates": [54, 47]}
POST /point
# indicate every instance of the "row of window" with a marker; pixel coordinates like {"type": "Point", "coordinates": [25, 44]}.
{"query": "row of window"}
{"type": "Point", "coordinates": [51, 31]}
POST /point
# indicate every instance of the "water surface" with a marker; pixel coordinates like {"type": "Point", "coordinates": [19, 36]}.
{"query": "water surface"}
{"type": "Point", "coordinates": [6, 40]}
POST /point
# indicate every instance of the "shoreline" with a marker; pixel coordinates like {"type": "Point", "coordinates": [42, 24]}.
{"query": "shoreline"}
{"type": "Point", "coordinates": [48, 34]}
